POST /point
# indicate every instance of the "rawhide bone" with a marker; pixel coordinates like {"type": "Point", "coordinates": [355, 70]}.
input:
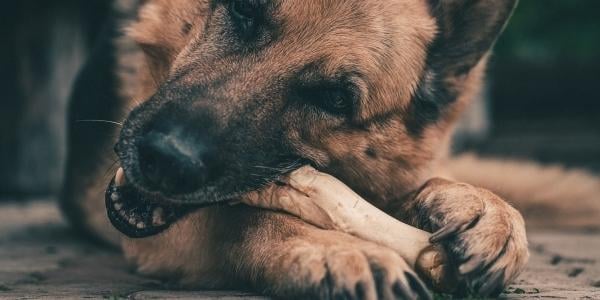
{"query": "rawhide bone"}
{"type": "Point", "coordinates": [324, 201]}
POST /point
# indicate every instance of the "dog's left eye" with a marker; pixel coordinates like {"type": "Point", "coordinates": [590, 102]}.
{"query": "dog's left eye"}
{"type": "Point", "coordinates": [334, 100]}
{"type": "Point", "coordinates": [245, 13]}
{"type": "Point", "coordinates": [243, 9]}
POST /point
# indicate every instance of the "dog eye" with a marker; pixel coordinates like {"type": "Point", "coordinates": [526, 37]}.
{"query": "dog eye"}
{"type": "Point", "coordinates": [243, 9]}
{"type": "Point", "coordinates": [333, 100]}
{"type": "Point", "coordinates": [245, 12]}
{"type": "Point", "coordinates": [337, 101]}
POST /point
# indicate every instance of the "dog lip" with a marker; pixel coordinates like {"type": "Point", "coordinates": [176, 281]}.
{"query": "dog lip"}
{"type": "Point", "coordinates": [134, 215]}
{"type": "Point", "coordinates": [205, 196]}
{"type": "Point", "coordinates": [201, 197]}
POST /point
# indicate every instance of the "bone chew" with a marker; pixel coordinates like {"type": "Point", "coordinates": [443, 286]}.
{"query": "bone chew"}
{"type": "Point", "coordinates": [324, 201]}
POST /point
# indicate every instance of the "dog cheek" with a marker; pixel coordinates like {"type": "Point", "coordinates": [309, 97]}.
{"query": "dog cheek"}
{"type": "Point", "coordinates": [305, 146]}
{"type": "Point", "coordinates": [348, 147]}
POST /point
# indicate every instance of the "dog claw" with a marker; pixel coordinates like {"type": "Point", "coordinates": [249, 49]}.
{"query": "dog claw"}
{"type": "Point", "coordinates": [473, 264]}
{"type": "Point", "coordinates": [402, 291]}
{"type": "Point", "coordinates": [418, 286]}
{"type": "Point", "coordinates": [445, 233]}
{"type": "Point", "coordinates": [452, 229]}
{"type": "Point", "coordinates": [493, 284]}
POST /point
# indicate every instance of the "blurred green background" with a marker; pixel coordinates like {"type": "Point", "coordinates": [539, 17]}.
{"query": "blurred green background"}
{"type": "Point", "coordinates": [548, 61]}
{"type": "Point", "coordinates": [544, 85]}
{"type": "Point", "coordinates": [550, 32]}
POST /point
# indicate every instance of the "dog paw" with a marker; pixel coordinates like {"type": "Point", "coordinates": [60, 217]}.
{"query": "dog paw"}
{"type": "Point", "coordinates": [484, 236]}
{"type": "Point", "coordinates": [349, 271]}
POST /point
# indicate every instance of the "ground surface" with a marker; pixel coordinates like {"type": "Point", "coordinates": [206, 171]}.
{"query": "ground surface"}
{"type": "Point", "coordinates": [40, 259]}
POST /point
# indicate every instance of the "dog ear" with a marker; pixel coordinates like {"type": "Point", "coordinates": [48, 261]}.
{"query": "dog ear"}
{"type": "Point", "coordinates": [467, 31]}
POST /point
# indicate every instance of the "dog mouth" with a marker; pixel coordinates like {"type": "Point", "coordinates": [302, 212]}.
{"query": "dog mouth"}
{"type": "Point", "coordinates": [137, 214]}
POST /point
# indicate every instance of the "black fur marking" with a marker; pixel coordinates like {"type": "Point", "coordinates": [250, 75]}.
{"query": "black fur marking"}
{"type": "Point", "coordinates": [467, 30]}
{"type": "Point", "coordinates": [242, 36]}
{"type": "Point", "coordinates": [428, 104]}
{"type": "Point", "coordinates": [186, 28]}
{"type": "Point", "coordinates": [371, 152]}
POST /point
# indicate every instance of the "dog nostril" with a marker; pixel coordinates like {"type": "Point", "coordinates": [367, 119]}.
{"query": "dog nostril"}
{"type": "Point", "coordinates": [171, 163]}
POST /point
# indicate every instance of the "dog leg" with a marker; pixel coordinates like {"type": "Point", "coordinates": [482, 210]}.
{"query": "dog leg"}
{"type": "Point", "coordinates": [324, 201]}
{"type": "Point", "coordinates": [280, 255]}
{"type": "Point", "coordinates": [482, 233]}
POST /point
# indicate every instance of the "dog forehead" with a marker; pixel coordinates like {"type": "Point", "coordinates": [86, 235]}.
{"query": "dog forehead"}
{"type": "Point", "coordinates": [365, 34]}
{"type": "Point", "coordinates": [386, 41]}
{"type": "Point", "coordinates": [350, 11]}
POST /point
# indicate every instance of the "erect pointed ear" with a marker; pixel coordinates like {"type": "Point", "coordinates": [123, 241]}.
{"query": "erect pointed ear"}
{"type": "Point", "coordinates": [467, 31]}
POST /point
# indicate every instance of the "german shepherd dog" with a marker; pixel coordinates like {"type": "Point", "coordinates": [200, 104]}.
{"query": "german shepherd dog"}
{"type": "Point", "coordinates": [220, 97]}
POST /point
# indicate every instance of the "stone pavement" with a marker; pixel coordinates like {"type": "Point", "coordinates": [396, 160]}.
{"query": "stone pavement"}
{"type": "Point", "coordinates": [40, 259]}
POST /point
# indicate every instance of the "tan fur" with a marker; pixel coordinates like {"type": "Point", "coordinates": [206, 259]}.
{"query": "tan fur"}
{"type": "Point", "coordinates": [300, 262]}
{"type": "Point", "coordinates": [413, 31]}
{"type": "Point", "coordinates": [168, 256]}
{"type": "Point", "coordinates": [548, 196]}
{"type": "Point", "coordinates": [241, 247]}
{"type": "Point", "coordinates": [408, 57]}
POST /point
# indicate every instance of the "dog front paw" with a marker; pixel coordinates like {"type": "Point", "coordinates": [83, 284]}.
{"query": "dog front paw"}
{"type": "Point", "coordinates": [483, 234]}
{"type": "Point", "coordinates": [345, 270]}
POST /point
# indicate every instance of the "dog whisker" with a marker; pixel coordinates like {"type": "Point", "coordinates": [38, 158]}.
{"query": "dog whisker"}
{"type": "Point", "coordinates": [268, 168]}
{"type": "Point", "coordinates": [110, 171]}
{"type": "Point", "coordinates": [101, 121]}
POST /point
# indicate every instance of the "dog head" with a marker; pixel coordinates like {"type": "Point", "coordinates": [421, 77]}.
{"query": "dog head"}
{"type": "Point", "coordinates": [245, 90]}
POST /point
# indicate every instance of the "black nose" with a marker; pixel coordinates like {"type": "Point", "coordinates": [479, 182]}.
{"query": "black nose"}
{"type": "Point", "coordinates": [172, 162]}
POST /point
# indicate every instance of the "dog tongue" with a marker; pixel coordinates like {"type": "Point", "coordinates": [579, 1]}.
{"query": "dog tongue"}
{"type": "Point", "coordinates": [136, 214]}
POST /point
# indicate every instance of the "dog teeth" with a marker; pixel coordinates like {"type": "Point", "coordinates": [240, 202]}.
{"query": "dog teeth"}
{"type": "Point", "coordinates": [158, 217]}
{"type": "Point", "coordinates": [132, 221]}
{"type": "Point", "coordinates": [120, 178]}
{"type": "Point", "coordinates": [118, 206]}
{"type": "Point", "coordinates": [141, 225]}
{"type": "Point", "coordinates": [114, 197]}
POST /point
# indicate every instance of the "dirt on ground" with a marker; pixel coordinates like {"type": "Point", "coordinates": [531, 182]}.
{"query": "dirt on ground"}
{"type": "Point", "coordinates": [41, 258]}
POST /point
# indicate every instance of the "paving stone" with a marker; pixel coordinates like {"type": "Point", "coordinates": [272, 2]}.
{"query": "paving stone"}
{"type": "Point", "coordinates": [40, 258]}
